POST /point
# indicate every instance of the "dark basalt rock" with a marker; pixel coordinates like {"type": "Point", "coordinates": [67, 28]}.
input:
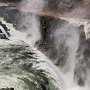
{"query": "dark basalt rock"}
{"type": "Point", "coordinates": [7, 89]}
{"type": "Point", "coordinates": [6, 30]}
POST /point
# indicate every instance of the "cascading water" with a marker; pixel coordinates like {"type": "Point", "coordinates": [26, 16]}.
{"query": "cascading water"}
{"type": "Point", "coordinates": [21, 68]}
{"type": "Point", "coordinates": [25, 68]}
{"type": "Point", "coordinates": [64, 38]}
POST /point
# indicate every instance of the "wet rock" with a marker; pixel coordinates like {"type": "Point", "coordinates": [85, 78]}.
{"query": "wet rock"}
{"type": "Point", "coordinates": [7, 89]}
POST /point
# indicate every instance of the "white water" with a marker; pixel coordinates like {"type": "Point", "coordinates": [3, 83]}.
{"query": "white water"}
{"type": "Point", "coordinates": [32, 29]}
{"type": "Point", "coordinates": [44, 64]}
{"type": "Point", "coordinates": [70, 37]}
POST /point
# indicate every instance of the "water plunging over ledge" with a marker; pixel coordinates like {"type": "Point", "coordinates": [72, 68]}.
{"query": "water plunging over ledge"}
{"type": "Point", "coordinates": [65, 40]}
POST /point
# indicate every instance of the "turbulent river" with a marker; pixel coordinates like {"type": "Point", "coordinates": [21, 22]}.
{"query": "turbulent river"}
{"type": "Point", "coordinates": [25, 68]}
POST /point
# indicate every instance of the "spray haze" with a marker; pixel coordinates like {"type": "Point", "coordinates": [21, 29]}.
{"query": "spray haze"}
{"type": "Point", "coordinates": [64, 37]}
{"type": "Point", "coordinates": [30, 24]}
{"type": "Point", "coordinates": [31, 27]}
{"type": "Point", "coordinates": [32, 6]}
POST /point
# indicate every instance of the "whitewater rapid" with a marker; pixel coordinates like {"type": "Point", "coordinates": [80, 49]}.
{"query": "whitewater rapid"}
{"type": "Point", "coordinates": [17, 60]}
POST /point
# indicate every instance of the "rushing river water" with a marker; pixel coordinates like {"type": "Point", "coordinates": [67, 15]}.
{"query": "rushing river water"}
{"type": "Point", "coordinates": [24, 68]}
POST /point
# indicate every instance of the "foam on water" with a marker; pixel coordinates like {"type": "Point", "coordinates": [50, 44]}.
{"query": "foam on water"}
{"type": "Point", "coordinates": [12, 77]}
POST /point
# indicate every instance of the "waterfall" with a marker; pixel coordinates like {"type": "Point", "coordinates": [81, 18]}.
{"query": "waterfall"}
{"type": "Point", "coordinates": [16, 71]}
{"type": "Point", "coordinates": [23, 66]}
